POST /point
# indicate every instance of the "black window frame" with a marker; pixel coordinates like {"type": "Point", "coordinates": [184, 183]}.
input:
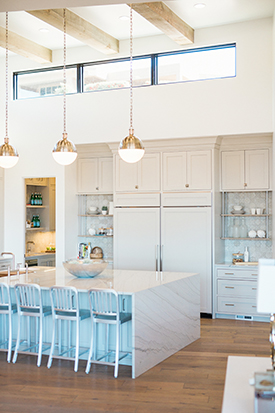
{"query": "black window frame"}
{"type": "Point", "coordinates": [80, 67]}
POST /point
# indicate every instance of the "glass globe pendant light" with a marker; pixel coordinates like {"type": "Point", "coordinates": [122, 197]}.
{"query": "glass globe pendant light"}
{"type": "Point", "coordinates": [64, 151]}
{"type": "Point", "coordinates": [131, 148]}
{"type": "Point", "coordinates": [8, 154]}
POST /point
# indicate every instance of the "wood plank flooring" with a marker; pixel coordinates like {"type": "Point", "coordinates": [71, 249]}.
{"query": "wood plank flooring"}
{"type": "Point", "coordinates": [190, 381]}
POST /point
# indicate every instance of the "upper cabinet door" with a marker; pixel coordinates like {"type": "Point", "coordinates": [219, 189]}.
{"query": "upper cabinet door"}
{"type": "Point", "coordinates": [232, 170]}
{"type": "Point", "coordinates": [105, 175]}
{"type": "Point", "coordinates": [257, 169]}
{"type": "Point", "coordinates": [199, 170]}
{"type": "Point", "coordinates": [141, 176]}
{"type": "Point", "coordinates": [245, 170]}
{"type": "Point", "coordinates": [87, 178]}
{"type": "Point", "coordinates": [95, 175]}
{"type": "Point", "coordinates": [174, 171]}
{"type": "Point", "coordinates": [149, 172]}
{"type": "Point", "coordinates": [126, 175]}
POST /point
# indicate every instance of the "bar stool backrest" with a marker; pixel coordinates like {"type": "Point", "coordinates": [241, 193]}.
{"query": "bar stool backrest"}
{"type": "Point", "coordinates": [28, 297]}
{"type": "Point", "coordinates": [64, 300]}
{"type": "Point", "coordinates": [104, 303]}
{"type": "Point", "coordinates": [4, 297]}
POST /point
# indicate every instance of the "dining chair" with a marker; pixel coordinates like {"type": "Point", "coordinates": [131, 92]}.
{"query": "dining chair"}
{"type": "Point", "coordinates": [104, 305]}
{"type": "Point", "coordinates": [7, 309]}
{"type": "Point", "coordinates": [65, 307]}
{"type": "Point", "coordinates": [29, 304]}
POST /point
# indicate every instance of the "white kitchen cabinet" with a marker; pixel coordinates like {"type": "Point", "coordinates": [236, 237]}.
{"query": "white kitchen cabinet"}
{"type": "Point", "coordinates": [136, 238]}
{"type": "Point", "coordinates": [166, 239]}
{"type": "Point", "coordinates": [245, 170]}
{"type": "Point", "coordinates": [138, 177]}
{"type": "Point", "coordinates": [235, 293]}
{"type": "Point", "coordinates": [95, 175]}
{"type": "Point", "coordinates": [189, 170]}
{"type": "Point", "coordinates": [48, 261]}
{"type": "Point", "coordinates": [186, 246]}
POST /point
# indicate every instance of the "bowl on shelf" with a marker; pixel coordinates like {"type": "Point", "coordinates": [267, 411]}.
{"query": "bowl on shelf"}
{"type": "Point", "coordinates": [237, 207]}
{"type": "Point", "coordinates": [93, 210]}
{"type": "Point", "coordinates": [85, 268]}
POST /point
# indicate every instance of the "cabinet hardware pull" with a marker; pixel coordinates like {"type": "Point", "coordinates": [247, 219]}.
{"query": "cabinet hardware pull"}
{"type": "Point", "coordinates": [255, 275]}
{"type": "Point", "coordinates": [254, 288]}
{"type": "Point", "coordinates": [253, 306]}
{"type": "Point", "coordinates": [97, 188]}
{"type": "Point", "coordinates": [136, 186]}
{"type": "Point", "coordinates": [229, 273]}
{"type": "Point", "coordinates": [230, 305]}
{"type": "Point", "coordinates": [186, 185]}
{"type": "Point", "coordinates": [245, 185]}
{"type": "Point", "coordinates": [229, 287]}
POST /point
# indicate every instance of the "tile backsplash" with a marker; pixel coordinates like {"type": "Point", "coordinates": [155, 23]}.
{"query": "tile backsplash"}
{"type": "Point", "coordinates": [41, 240]}
{"type": "Point", "coordinates": [257, 248]}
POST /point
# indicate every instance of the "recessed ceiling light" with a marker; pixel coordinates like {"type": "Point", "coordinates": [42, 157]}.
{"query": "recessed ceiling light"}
{"type": "Point", "coordinates": [124, 18]}
{"type": "Point", "coordinates": [199, 5]}
{"type": "Point", "coordinates": [44, 30]}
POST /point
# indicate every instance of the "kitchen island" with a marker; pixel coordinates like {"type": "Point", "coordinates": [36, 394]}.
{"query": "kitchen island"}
{"type": "Point", "coordinates": [165, 309]}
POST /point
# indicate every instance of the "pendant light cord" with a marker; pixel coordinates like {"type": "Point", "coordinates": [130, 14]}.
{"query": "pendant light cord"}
{"type": "Point", "coordinates": [131, 70]}
{"type": "Point", "coordinates": [7, 78]}
{"type": "Point", "coordinates": [64, 70]}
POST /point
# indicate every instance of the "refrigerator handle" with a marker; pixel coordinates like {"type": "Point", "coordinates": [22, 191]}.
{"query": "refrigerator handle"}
{"type": "Point", "coordinates": [161, 256]}
{"type": "Point", "coordinates": [157, 257]}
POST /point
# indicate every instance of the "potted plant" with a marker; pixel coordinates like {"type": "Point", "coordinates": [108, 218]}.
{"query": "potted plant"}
{"type": "Point", "coordinates": [104, 210]}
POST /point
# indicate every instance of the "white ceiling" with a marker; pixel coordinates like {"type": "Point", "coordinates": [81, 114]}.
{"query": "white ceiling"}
{"type": "Point", "coordinates": [107, 17]}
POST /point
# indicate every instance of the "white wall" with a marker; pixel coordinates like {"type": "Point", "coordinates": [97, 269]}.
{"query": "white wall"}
{"type": "Point", "coordinates": [215, 107]}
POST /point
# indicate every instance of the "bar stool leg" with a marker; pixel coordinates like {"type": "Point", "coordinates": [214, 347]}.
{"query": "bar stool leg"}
{"type": "Point", "coordinates": [76, 346]}
{"type": "Point", "coordinates": [117, 350]}
{"type": "Point", "coordinates": [88, 366]}
{"type": "Point", "coordinates": [40, 342]}
{"type": "Point", "coordinates": [17, 340]}
{"type": "Point", "coordinates": [10, 338]}
{"type": "Point", "coordinates": [50, 359]}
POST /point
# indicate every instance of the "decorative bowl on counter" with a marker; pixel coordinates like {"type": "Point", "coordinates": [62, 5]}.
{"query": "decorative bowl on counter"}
{"type": "Point", "coordinates": [85, 268]}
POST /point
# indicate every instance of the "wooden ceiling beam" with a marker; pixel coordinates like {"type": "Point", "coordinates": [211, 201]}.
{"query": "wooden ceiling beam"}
{"type": "Point", "coordinates": [24, 47]}
{"type": "Point", "coordinates": [79, 28]}
{"type": "Point", "coordinates": [166, 20]}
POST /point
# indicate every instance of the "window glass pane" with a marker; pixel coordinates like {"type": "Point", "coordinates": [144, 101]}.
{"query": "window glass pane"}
{"type": "Point", "coordinates": [46, 83]}
{"type": "Point", "coordinates": [197, 65]}
{"type": "Point", "coordinates": [115, 75]}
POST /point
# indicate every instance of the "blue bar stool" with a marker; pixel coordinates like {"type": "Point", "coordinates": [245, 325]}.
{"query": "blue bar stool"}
{"type": "Point", "coordinates": [104, 306]}
{"type": "Point", "coordinates": [65, 306]}
{"type": "Point", "coordinates": [29, 304]}
{"type": "Point", "coordinates": [7, 309]}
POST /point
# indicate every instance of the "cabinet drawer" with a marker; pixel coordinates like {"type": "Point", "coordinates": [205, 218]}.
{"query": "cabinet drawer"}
{"type": "Point", "coordinates": [235, 272]}
{"type": "Point", "coordinates": [237, 288]}
{"type": "Point", "coordinates": [237, 305]}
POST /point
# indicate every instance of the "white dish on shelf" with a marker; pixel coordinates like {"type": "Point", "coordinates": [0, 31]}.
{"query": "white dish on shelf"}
{"type": "Point", "coordinates": [241, 212]}
{"type": "Point", "coordinates": [261, 233]}
{"type": "Point", "coordinates": [237, 207]}
{"type": "Point", "coordinates": [252, 233]}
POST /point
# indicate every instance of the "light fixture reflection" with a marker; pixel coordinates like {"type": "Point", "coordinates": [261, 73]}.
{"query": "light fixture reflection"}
{"type": "Point", "coordinates": [131, 148]}
{"type": "Point", "coordinates": [64, 151]}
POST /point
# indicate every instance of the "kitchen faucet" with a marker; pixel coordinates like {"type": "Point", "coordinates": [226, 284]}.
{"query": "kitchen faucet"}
{"type": "Point", "coordinates": [28, 246]}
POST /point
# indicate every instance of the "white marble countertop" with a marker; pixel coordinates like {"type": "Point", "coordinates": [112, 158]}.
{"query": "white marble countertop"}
{"type": "Point", "coordinates": [230, 265]}
{"type": "Point", "coordinates": [123, 281]}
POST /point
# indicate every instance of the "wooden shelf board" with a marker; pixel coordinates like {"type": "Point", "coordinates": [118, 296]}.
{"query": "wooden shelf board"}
{"type": "Point", "coordinates": [249, 239]}
{"type": "Point", "coordinates": [96, 236]}
{"type": "Point", "coordinates": [246, 215]}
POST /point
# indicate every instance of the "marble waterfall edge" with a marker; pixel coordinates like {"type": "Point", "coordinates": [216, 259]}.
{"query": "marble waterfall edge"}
{"type": "Point", "coordinates": [167, 318]}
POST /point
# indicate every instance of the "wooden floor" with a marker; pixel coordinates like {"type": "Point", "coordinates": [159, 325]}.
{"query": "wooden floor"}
{"type": "Point", "coordinates": [191, 381]}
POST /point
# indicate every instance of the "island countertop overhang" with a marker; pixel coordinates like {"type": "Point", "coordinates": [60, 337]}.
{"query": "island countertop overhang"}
{"type": "Point", "coordinates": [123, 281]}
